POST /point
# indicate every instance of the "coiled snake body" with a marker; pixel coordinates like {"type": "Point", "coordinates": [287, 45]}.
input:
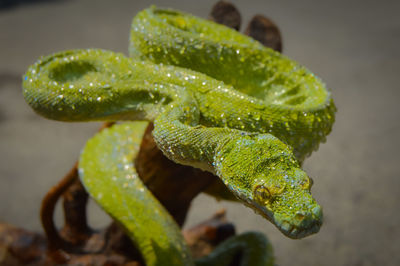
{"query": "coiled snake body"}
{"type": "Point", "coordinates": [219, 100]}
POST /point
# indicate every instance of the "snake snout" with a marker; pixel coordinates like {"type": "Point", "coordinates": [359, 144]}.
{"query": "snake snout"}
{"type": "Point", "coordinates": [302, 223]}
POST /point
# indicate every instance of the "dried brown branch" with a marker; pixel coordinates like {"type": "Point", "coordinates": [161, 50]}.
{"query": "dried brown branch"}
{"type": "Point", "coordinates": [226, 14]}
{"type": "Point", "coordinates": [265, 31]}
{"type": "Point", "coordinates": [55, 241]}
{"type": "Point", "coordinates": [76, 230]}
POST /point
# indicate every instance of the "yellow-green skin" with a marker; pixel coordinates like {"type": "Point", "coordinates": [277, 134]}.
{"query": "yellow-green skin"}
{"type": "Point", "coordinates": [250, 117]}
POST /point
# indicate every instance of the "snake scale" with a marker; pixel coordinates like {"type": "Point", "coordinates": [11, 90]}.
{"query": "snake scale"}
{"type": "Point", "coordinates": [220, 101]}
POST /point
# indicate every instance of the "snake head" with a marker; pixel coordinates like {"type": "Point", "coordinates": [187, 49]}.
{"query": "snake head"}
{"type": "Point", "coordinates": [284, 197]}
{"type": "Point", "coordinates": [263, 173]}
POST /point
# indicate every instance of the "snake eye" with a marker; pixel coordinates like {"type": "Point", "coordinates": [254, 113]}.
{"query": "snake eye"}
{"type": "Point", "coordinates": [307, 183]}
{"type": "Point", "coordinates": [261, 194]}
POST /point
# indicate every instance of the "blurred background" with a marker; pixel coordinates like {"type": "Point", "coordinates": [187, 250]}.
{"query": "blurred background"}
{"type": "Point", "coordinates": [352, 45]}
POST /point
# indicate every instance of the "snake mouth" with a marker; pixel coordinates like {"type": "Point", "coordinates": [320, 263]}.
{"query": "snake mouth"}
{"type": "Point", "coordinates": [297, 232]}
{"type": "Point", "coordinates": [299, 227]}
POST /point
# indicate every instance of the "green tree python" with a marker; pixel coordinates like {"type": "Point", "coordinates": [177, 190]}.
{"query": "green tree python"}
{"type": "Point", "coordinates": [219, 101]}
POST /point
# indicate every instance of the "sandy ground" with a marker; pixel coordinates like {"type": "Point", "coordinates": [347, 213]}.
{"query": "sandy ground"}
{"type": "Point", "coordinates": [352, 45]}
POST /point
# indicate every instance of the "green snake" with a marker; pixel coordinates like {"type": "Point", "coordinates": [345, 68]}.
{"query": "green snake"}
{"type": "Point", "coordinates": [219, 101]}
